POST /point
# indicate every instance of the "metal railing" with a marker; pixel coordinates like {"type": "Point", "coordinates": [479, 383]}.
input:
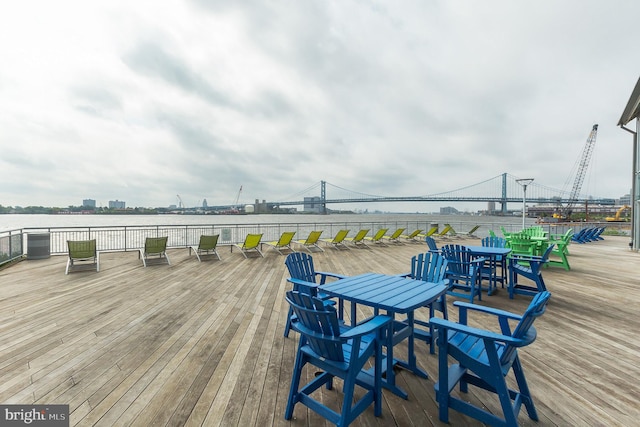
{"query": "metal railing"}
{"type": "Point", "coordinates": [14, 244]}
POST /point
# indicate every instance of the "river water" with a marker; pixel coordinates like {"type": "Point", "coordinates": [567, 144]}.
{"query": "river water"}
{"type": "Point", "coordinates": [460, 223]}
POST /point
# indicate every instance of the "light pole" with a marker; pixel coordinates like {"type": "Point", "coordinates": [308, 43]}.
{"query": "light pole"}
{"type": "Point", "coordinates": [524, 182]}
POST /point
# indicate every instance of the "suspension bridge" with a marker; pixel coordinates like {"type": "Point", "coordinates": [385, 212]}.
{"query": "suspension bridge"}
{"type": "Point", "coordinates": [501, 189]}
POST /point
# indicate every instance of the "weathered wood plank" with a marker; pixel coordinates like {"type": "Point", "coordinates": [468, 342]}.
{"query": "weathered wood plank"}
{"type": "Point", "coordinates": [201, 343]}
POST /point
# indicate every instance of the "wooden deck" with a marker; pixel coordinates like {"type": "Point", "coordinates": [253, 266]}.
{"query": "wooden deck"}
{"type": "Point", "coordinates": [201, 343]}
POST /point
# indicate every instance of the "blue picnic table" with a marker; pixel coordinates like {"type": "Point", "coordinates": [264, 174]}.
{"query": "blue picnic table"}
{"type": "Point", "coordinates": [395, 295]}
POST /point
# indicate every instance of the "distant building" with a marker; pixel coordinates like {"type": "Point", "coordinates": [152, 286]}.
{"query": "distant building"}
{"type": "Point", "coordinates": [89, 203]}
{"type": "Point", "coordinates": [117, 204]}
{"type": "Point", "coordinates": [625, 200]}
{"type": "Point", "coordinates": [448, 210]}
{"type": "Point", "coordinates": [205, 205]}
{"type": "Point", "coordinates": [313, 204]}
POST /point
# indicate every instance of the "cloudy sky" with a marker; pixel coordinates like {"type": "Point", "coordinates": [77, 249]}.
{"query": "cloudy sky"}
{"type": "Point", "coordinates": [143, 100]}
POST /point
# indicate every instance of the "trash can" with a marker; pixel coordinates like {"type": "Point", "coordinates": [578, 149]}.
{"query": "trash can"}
{"type": "Point", "coordinates": [38, 246]}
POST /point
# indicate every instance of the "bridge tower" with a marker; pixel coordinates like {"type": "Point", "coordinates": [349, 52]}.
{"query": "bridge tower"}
{"type": "Point", "coordinates": [503, 203]}
{"type": "Point", "coordinates": [323, 196]}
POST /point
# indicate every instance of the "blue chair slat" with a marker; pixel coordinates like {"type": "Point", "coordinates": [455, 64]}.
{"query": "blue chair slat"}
{"type": "Point", "coordinates": [338, 352]}
{"type": "Point", "coordinates": [485, 359]}
{"type": "Point", "coordinates": [431, 243]}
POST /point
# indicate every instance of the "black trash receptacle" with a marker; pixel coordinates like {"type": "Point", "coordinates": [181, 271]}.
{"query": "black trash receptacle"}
{"type": "Point", "coordinates": [38, 245]}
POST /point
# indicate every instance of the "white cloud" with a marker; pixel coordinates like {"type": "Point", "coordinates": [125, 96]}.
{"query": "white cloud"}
{"type": "Point", "coordinates": [139, 102]}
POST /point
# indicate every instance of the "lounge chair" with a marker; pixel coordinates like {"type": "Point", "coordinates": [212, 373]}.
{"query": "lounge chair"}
{"type": "Point", "coordinates": [471, 233]}
{"type": "Point", "coordinates": [377, 238]}
{"type": "Point", "coordinates": [283, 243]}
{"type": "Point", "coordinates": [251, 243]}
{"type": "Point", "coordinates": [358, 239]}
{"type": "Point", "coordinates": [311, 241]}
{"type": "Point", "coordinates": [207, 246]}
{"type": "Point", "coordinates": [412, 237]}
{"type": "Point", "coordinates": [443, 234]}
{"type": "Point", "coordinates": [154, 246]}
{"type": "Point", "coordinates": [433, 230]}
{"type": "Point", "coordinates": [395, 237]}
{"type": "Point", "coordinates": [83, 254]}
{"type": "Point", "coordinates": [338, 241]}
{"type": "Point", "coordinates": [452, 232]}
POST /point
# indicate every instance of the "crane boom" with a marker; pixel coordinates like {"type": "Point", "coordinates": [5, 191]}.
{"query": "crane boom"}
{"type": "Point", "coordinates": [582, 169]}
{"type": "Point", "coordinates": [235, 205]}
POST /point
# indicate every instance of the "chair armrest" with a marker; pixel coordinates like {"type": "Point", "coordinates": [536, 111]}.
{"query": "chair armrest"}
{"type": "Point", "coordinates": [324, 274]}
{"type": "Point", "coordinates": [305, 286]}
{"type": "Point", "coordinates": [367, 327]}
{"type": "Point", "coordinates": [480, 333]}
{"type": "Point", "coordinates": [516, 257]}
{"type": "Point", "coordinates": [328, 274]}
{"type": "Point", "coordinates": [487, 310]}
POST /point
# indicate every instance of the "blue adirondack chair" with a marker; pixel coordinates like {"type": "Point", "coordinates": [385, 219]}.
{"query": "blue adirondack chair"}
{"type": "Point", "coordinates": [431, 243]}
{"type": "Point", "coordinates": [485, 359]}
{"type": "Point", "coordinates": [463, 272]}
{"type": "Point", "coordinates": [429, 267]}
{"type": "Point", "coordinates": [304, 279]}
{"type": "Point", "coordinates": [339, 352]}
{"type": "Point", "coordinates": [532, 271]}
{"type": "Point", "coordinates": [499, 261]}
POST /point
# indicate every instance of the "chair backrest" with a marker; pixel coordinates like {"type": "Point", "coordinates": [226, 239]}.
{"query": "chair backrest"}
{"type": "Point", "coordinates": [79, 249]}
{"type": "Point", "coordinates": [460, 259]}
{"type": "Point", "coordinates": [432, 231]}
{"type": "Point", "coordinates": [252, 241]}
{"type": "Point", "coordinates": [397, 233]}
{"type": "Point", "coordinates": [431, 243]}
{"type": "Point", "coordinates": [340, 235]}
{"type": "Point", "coordinates": [429, 267]}
{"type": "Point", "coordinates": [415, 233]}
{"type": "Point", "coordinates": [318, 324]}
{"type": "Point", "coordinates": [525, 330]}
{"type": "Point", "coordinates": [313, 237]}
{"type": "Point", "coordinates": [494, 242]}
{"type": "Point", "coordinates": [473, 230]}
{"type": "Point", "coordinates": [300, 266]}
{"type": "Point", "coordinates": [208, 243]}
{"type": "Point", "coordinates": [447, 228]}
{"type": "Point", "coordinates": [155, 245]}
{"type": "Point", "coordinates": [545, 255]}
{"type": "Point", "coordinates": [521, 243]}
{"type": "Point", "coordinates": [361, 235]}
{"type": "Point", "coordinates": [379, 234]}
{"type": "Point", "coordinates": [286, 238]}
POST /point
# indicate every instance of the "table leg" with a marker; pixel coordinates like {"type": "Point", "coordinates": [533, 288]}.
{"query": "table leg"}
{"type": "Point", "coordinates": [407, 332]}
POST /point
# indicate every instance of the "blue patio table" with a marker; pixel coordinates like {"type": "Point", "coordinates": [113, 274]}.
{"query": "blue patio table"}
{"type": "Point", "coordinates": [395, 295]}
{"type": "Point", "coordinates": [492, 254]}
